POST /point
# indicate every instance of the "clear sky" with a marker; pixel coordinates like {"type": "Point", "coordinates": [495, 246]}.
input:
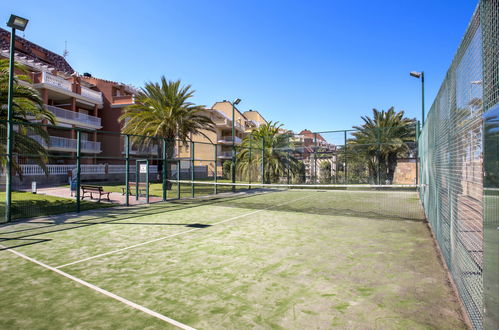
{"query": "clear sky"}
{"type": "Point", "coordinates": [309, 64]}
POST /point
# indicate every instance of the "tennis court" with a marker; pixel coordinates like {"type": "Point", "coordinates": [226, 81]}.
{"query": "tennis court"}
{"type": "Point", "coordinates": [260, 258]}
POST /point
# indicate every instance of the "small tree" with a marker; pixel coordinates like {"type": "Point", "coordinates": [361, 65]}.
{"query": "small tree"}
{"type": "Point", "coordinates": [227, 169]}
{"type": "Point", "coordinates": [325, 174]}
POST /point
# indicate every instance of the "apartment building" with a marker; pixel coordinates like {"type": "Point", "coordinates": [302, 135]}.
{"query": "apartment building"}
{"type": "Point", "coordinates": [313, 149]}
{"type": "Point", "coordinates": [77, 101]}
{"type": "Point", "coordinates": [221, 114]}
{"type": "Point", "coordinates": [73, 101]}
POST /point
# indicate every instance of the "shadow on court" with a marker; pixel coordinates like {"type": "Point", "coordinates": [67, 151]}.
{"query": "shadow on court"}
{"type": "Point", "coordinates": [380, 208]}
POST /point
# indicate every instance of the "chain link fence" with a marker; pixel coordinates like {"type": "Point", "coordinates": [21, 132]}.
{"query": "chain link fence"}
{"type": "Point", "coordinates": [452, 155]}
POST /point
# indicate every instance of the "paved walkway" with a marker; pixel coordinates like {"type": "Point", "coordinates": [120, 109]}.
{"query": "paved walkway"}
{"type": "Point", "coordinates": [115, 197]}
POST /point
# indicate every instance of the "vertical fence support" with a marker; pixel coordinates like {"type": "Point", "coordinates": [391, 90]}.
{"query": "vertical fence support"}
{"type": "Point", "coordinates": [215, 170]}
{"type": "Point", "coordinates": [78, 169]}
{"type": "Point", "coordinates": [249, 164]}
{"type": "Point", "coordinates": [417, 151]}
{"type": "Point", "coordinates": [137, 165]}
{"type": "Point", "coordinates": [314, 175]}
{"type": "Point", "coordinates": [127, 169]}
{"type": "Point", "coordinates": [147, 181]}
{"type": "Point", "coordinates": [178, 179]}
{"type": "Point", "coordinates": [8, 182]}
{"type": "Point", "coordinates": [287, 167]}
{"type": "Point", "coordinates": [346, 156]}
{"type": "Point", "coordinates": [263, 160]}
{"type": "Point", "coordinates": [192, 169]}
{"type": "Point", "coordinates": [165, 167]}
{"type": "Point", "coordinates": [378, 153]}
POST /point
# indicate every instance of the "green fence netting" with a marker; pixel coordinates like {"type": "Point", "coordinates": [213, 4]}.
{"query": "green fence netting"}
{"type": "Point", "coordinates": [451, 151]}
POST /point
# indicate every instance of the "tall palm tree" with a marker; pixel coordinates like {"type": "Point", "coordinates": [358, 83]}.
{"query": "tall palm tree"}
{"type": "Point", "coordinates": [383, 139]}
{"type": "Point", "coordinates": [27, 106]}
{"type": "Point", "coordinates": [276, 153]}
{"type": "Point", "coordinates": [163, 111]}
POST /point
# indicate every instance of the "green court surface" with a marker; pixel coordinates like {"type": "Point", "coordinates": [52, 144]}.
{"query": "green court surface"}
{"type": "Point", "coordinates": [300, 259]}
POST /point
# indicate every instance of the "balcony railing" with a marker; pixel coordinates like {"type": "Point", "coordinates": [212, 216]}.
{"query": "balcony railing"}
{"type": "Point", "coordinates": [56, 81]}
{"type": "Point", "coordinates": [65, 144]}
{"type": "Point", "coordinates": [73, 116]}
{"type": "Point", "coordinates": [225, 155]}
{"type": "Point", "coordinates": [228, 139]}
{"type": "Point", "coordinates": [91, 94]}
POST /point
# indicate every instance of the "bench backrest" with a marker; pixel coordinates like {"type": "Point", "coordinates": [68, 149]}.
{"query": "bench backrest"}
{"type": "Point", "coordinates": [95, 188]}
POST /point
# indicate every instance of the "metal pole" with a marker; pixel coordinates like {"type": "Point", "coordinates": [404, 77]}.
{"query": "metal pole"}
{"type": "Point", "coordinates": [8, 178]}
{"type": "Point", "coordinates": [147, 181]}
{"type": "Point", "coordinates": [417, 151]}
{"type": "Point", "coordinates": [178, 179]}
{"type": "Point", "coordinates": [378, 152]}
{"type": "Point", "coordinates": [346, 158]}
{"type": "Point", "coordinates": [249, 164]}
{"type": "Point", "coordinates": [216, 171]}
{"type": "Point", "coordinates": [165, 160]}
{"type": "Point", "coordinates": [422, 98]}
{"type": "Point", "coordinates": [127, 169]}
{"type": "Point", "coordinates": [263, 160]}
{"type": "Point", "coordinates": [137, 165]}
{"type": "Point", "coordinates": [233, 165]}
{"type": "Point", "coordinates": [287, 168]}
{"type": "Point", "coordinates": [192, 169]}
{"type": "Point", "coordinates": [78, 169]}
{"type": "Point", "coordinates": [314, 176]}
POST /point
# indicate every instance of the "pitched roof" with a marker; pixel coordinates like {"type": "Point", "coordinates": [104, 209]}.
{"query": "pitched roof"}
{"type": "Point", "coordinates": [35, 52]}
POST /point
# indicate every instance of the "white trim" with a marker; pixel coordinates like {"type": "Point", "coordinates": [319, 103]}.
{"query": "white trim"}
{"type": "Point", "coordinates": [104, 292]}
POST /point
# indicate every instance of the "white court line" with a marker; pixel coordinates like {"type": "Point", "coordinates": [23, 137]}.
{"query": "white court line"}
{"type": "Point", "coordinates": [173, 235]}
{"type": "Point", "coordinates": [104, 292]}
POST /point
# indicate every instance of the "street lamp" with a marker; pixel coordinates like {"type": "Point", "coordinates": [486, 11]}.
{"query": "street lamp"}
{"type": "Point", "coordinates": [16, 23]}
{"type": "Point", "coordinates": [418, 75]}
{"type": "Point", "coordinates": [233, 165]}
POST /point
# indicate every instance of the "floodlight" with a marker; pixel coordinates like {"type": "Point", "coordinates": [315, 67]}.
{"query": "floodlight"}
{"type": "Point", "coordinates": [415, 74]}
{"type": "Point", "coordinates": [17, 22]}
{"type": "Point", "coordinates": [236, 101]}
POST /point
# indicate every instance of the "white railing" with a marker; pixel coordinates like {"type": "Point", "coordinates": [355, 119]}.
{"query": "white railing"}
{"type": "Point", "coordinates": [36, 170]}
{"type": "Point", "coordinates": [226, 139]}
{"type": "Point", "coordinates": [56, 81]}
{"type": "Point", "coordinates": [74, 116]}
{"type": "Point", "coordinates": [91, 94]}
{"type": "Point", "coordinates": [56, 142]}
{"type": "Point", "coordinates": [225, 155]}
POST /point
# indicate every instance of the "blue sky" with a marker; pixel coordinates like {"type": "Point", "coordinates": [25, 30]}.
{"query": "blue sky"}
{"type": "Point", "coordinates": [310, 64]}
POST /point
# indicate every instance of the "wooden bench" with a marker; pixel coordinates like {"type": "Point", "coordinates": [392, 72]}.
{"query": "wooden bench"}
{"type": "Point", "coordinates": [132, 188]}
{"type": "Point", "coordinates": [88, 189]}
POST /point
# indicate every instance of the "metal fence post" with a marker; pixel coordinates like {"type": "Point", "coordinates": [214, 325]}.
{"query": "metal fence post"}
{"type": "Point", "coordinates": [165, 167]}
{"type": "Point", "coordinates": [346, 156]}
{"type": "Point", "coordinates": [378, 152]}
{"type": "Point", "coordinates": [8, 178]}
{"type": "Point", "coordinates": [137, 165]}
{"type": "Point", "coordinates": [147, 181]}
{"type": "Point", "coordinates": [78, 169]}
{"type": "Point", "coordinates": [249, 164]}
{"type": "Point", "coordinates": [263, 160]}
{"type": "Point", "coordinates": [215, 170]}
{"type": "Point", "coordinates": [192, 169]}
{"type": "Point", "coordinates": [178, 179]}
{"type": "Point", "coordinates": [127, 169]}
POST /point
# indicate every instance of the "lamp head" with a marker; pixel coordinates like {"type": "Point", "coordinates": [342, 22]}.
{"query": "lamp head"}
{"type": "Point", "coordinates": [236, 101]}
{"type": "Point", "coordinates": [17, 22]}
{"type": "Point", "coordinates": [415, 74]}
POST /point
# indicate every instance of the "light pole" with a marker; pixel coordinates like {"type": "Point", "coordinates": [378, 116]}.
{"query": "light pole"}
{"type": "Point", "coordinates": [16, 23]}
{"type": "Point", "coordinates": [233, 165]}
{"type": "Point", "coordinates": [418, 75]}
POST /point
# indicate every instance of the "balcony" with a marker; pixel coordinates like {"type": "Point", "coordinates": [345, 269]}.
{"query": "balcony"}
{"type": "Point", "coordinates": [75, 118]}
{"type": "Point", "coordinates": [64, 144]}
{"type": "Point", "coordinates": [56, 81]}
{"type": "Point", "coordinates": [91, 94]}
{"type": "Point", "coordinates": [122, 101]}
{"type": "Point", "coordinates": [225, 155]}
{"type": "Point", "coordinates": [228, 140]}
